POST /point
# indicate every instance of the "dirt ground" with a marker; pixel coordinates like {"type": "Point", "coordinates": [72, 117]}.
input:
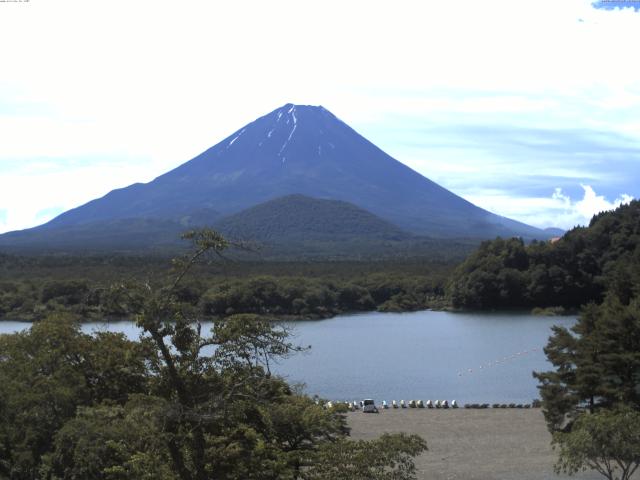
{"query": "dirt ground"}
{"type": "Point", "coordinates": [467, 444]}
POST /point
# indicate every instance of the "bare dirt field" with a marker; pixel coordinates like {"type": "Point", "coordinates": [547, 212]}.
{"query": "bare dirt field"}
{"type": "Point", "coordinates": [467, 444]}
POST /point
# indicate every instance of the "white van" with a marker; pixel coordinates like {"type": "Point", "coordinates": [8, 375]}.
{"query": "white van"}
{"type": "Point", "coordinates": [369, 406]}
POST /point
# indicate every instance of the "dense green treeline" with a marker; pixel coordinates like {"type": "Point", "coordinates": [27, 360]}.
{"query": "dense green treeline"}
{"type": "Point", "coordinates": [33, 287]}
{"type": "Point", "coordinates": [115, 267]}
{"type": "Point", "coordinates": [305, 296]}
{"type": "Point", "coordinates": [268, 295]}
{"type": "Point", "coordinates": [581, 267]}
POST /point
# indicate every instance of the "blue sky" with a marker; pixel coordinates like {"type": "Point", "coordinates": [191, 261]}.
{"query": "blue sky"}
{"type": "Point", "coordinates": [616, 4]}
{"type": "Point", "coordinates": [528, 109]}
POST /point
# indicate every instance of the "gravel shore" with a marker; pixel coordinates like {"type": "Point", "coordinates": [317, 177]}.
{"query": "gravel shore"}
{"type": "Point", "coordinates": [467, 444]}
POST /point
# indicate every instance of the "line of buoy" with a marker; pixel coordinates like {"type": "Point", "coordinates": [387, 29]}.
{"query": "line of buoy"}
{"type": "Point", "coordinates": [497, 362]}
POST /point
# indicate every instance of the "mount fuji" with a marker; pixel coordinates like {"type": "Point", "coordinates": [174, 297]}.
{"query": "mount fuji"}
{"type": "Point", "coordinates": [294, 150]}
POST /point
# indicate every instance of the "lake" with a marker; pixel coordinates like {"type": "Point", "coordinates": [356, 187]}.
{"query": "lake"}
{"type": "Point", "coordinates": [470, 357]}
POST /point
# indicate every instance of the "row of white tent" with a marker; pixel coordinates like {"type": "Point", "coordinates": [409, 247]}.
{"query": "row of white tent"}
{"type": "Point", "coordinates": [401, 404]}
{"type": "Point", "coordinates": [421, 404]}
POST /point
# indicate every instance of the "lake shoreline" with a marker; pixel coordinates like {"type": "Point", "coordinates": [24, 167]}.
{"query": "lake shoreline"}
{"type": "Point", "coordinates": [536, 311]}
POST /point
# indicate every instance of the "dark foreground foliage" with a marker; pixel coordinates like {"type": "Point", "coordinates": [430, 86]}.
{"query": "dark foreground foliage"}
{"type": "Point", "coordinates": [179, 403]}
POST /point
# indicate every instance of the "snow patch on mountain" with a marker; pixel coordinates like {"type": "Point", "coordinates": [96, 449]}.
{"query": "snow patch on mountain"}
{"type": "Point", "coordinates": [236, 137]}
{"type": "Point", "coordinates": [291, 111]}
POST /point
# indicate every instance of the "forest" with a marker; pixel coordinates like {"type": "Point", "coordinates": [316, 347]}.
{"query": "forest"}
{"type": "Point", "coordinates": [33, 287]}
{"type": "Point", "coordinates": [582, 267]}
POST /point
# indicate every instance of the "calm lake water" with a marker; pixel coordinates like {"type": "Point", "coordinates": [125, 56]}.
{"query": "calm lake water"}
{"type": "Point", "coordinates": [470, 357]}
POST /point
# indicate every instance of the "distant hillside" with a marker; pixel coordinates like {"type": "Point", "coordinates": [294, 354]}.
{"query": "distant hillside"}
{"type": "Point", "coordinates": [294, 227]}
{"type": "Point", "coordinates": [122, 235]}
{"type": "Point", "coordinates": [296, 149]}
{"type": "Point", "coordinates": [583, 266]}
{"type": "Point", "coordinates": [296, 218]}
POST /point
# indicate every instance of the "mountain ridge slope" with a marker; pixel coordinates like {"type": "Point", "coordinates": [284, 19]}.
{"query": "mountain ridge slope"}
{"type": "Point", "coordinates": [295, 149]}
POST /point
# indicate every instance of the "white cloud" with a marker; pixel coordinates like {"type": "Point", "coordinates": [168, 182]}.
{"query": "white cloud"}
{"type": "Point", "coordinates": [580, 212]}
{"type": "Point", "coordinates": [150, 84]}
{"type": "Point", "coordinates": [558, 210]}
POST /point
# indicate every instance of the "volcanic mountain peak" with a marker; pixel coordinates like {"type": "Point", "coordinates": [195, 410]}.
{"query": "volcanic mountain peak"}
{"type": "Point", "coordinates": [285, 133]}
{"type": "Point", "coordinates": [298, 149]}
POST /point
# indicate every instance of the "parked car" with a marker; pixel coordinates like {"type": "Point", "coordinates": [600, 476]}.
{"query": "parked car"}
{"type": "Point", "coordinates": [369, 406]}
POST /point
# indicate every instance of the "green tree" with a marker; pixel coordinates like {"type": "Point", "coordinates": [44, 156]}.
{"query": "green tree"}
{"type": "Point", "coordinates": [388, 458]}
{"type": "Point", "coordinates": [597, 363]}
{"type": "Point", "coordinates": [112, 442]}
{"type": "Point", "coordinates": [46, 373]}
{"type": "Point", "coordinates": [607, 441]}
{"type": "Point", "coordinates": [298, 422]}
{"type": "Point", "coordinates": [493, 276]}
